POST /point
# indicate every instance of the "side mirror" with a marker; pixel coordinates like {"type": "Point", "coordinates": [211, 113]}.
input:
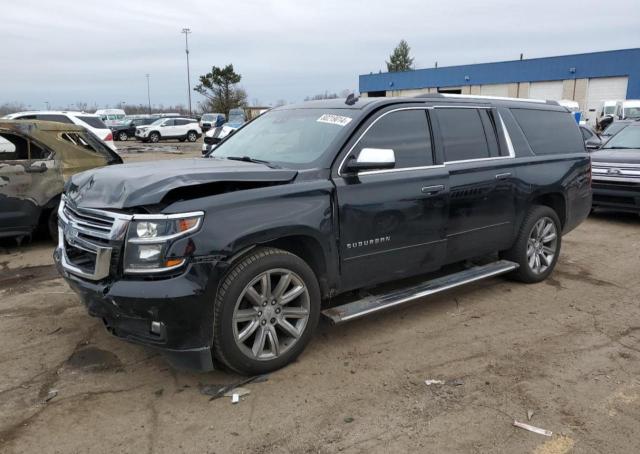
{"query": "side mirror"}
{"type": "Point", "coordinates": [593, 144]}
{"type": "Point", "coordinates": [372, 159]}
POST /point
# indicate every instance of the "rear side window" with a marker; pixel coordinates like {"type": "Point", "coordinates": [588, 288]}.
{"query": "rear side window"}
{"type": "Point", "coordinates": [182, 122]}
{"type": "Point", "coordinates": [549, 132]}
{"type": "Point", "coordinates": [55, 117]}
{"type": "Point", "coordinates": [463, 134]}
{"type": "Point", "coordinates": [94, 122]}
{"type": "Point", "coordinates": [586, 134]}
{"type": "Point", "coordinates": [406, 132]}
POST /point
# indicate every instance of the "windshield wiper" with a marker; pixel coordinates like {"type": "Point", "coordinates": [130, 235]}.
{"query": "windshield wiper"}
{"type": "Point", "coordinates": [250, 159]}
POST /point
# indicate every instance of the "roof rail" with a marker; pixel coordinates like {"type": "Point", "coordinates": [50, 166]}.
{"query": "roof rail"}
{"type": "Point", "coordinates": [496, 98]}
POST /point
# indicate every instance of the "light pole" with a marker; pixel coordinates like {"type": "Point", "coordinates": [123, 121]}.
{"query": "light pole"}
{"type": "Point", "coordinates": [148, 92]}
{"type": "Point", "coordinates": [186, 32]}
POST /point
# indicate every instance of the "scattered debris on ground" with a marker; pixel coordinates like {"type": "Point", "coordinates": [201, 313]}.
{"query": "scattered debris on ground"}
{"type": "Point", "coordinates": [530, 428]}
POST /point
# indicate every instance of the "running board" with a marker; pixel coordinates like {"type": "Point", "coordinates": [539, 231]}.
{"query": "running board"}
{"type": "Point", "coordinates": [375, 303]}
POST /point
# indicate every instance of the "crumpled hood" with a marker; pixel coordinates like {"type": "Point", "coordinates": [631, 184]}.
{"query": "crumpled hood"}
{"type": "Point", "coordinates": [145, 183]}
{"type": "Point", "coordinates": [616, 156]}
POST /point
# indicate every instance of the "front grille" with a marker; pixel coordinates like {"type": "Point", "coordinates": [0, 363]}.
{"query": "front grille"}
{"type": "Point", "coordinates": [91, 240]}
{"type": "Point", "coordinates": [92, 222]}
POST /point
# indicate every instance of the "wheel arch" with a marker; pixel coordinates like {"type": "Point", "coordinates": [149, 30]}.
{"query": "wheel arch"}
{"type": "Point", "coordinates": [554, 200]}
{"type": "Point", "coordinates": [303, 244]}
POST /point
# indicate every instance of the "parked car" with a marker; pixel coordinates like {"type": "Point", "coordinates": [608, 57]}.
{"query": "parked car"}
{"type": "Point", "coordinates": [237, 119]}
{"type": "Point", "coordinates": [169, 128]}
{"type": "Point", "coordinates": [628, 109]}
{"type": "Point", "coordinates": [616, 171]}
{"type": "Point", "coordinates": [615, 128]}
{"type": "Point", "coordinates": [90, 121]}
{"type": "Point", "coordinates": [211, 120]}
{"type": "Point", "coordinates": [215, 135]}
{"type": "Point", "coordinates": [111, 117]}
{"type": "Point", "coordinates": [591, 138]}
{"type": "Point", "coordinates": [128, 128]}
{"type": "Point", "coordinates": [36, 158]}
{"type": "Point", "coordinates": [235, 256]}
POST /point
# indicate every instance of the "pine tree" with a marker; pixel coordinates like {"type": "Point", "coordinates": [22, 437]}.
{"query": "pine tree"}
{"type": "Point", "coordinates": [400, 60]}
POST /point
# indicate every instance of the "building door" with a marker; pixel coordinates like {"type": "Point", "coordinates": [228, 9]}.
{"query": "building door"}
{"type": "Point", "coordinates": [604, 89]}
{"type": "Point", "coordinates": [546, 90]}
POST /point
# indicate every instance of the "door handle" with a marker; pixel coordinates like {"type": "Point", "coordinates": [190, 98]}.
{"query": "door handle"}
{"type": "Point", "coordinates": [503, 176]}
{"type": "Point", "coordinates": [432, 190]}
{"type": "Point", "coordinates": [38, 169]}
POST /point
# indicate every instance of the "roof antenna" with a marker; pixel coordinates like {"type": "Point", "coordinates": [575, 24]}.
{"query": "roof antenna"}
{"type": "Point", "coordinates": [351, 99]}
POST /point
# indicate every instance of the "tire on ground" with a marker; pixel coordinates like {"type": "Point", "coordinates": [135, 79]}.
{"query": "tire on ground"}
{"type": "Point", "coordinates": [239, 276]}
{"type": "Point", "coordinates": [518, 252]}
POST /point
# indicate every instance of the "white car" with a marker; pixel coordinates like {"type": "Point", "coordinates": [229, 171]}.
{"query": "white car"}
{"type": "Point", "coordinates": [170, 128]}
{"type": "Point", "coordinates": [90, 121]}
{"type": "Point", "coordinates": [111, 117]}
{"type": "Point", "coordinates": [215, 135]}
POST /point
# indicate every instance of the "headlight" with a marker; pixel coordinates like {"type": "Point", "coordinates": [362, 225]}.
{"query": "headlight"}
{"type": "Point", "coordinates": [149, 238]}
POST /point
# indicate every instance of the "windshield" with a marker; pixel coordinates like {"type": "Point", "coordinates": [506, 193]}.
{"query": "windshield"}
{"type": "Point", "coordinates": [614, 128]}
{"type": "Point", "coordinates": [158, 121]}
{"type": "Point", "coordinates": [207, 117]}
{"type": "Point", "coordinates": [632, 112]}
{"type": "Point", "coordinates": [609, 110]}
{"type": "Point", "coordinates": [627, 138]}
{"type": "Point", "coordinates": [296, 136]}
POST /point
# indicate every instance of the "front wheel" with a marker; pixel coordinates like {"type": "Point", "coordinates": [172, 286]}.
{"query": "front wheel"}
{"type": "Point", "coordinates": [123, 136]}
{"type": "Point", "coordinates": [266, 311]}
{"type": "Point", "coordinates": [154, 137]}
{"type": "Point", "coordinates": [537, 246]}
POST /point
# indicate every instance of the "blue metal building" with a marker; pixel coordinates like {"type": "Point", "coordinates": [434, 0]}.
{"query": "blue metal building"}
{"type": "Point", "coordinates": [588, 79]}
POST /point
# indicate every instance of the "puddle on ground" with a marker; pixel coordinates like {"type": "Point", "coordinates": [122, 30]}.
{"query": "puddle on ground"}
{"type": "Point", "coordinates": [94, 359]}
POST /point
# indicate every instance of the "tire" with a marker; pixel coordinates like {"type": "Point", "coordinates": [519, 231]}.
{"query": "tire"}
{"type": "Point", "coordinates": [154, 137]}
{"type": "Point", "coordinates": [123, 136]}
{"type": "Point", "coordinates": [532, 241]}
{"type": "Point", "coordinates": [238, 311]}
{"type": "Point", "coordinates": [192, 136]}
{"type": "Point", "coordinates": [52, 224]}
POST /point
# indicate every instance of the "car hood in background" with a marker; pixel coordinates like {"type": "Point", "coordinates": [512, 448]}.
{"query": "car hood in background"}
{"type": "Point", "coordinates": [146, 183]}
{"type": "Point", "coordinates": [631, 156]}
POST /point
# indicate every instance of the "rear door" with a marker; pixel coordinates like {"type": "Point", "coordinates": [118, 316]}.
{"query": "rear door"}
{"type": "Point", "coordinates": [392, 222]}
{"type": "Point", "coordinates": [482, 181]}
{"type": "Point", "coordinates": [28, 180]}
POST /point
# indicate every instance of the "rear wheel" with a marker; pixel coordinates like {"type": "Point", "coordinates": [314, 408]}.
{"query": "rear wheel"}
{"type": "Point", "coordinates": [537, 246]}
{"type": "Point", "coordinates": [52, 223]}
{"type": "Point", "coordinates": [154, 137]}
{"type": "Point", "coordinates": [192, 136]}
{"type": "Point", "coordinates": [123, 136]}
{"type": "Point", "coordinates": [266, 311]}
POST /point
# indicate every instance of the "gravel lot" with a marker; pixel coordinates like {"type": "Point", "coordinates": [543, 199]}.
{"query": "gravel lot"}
{"type": "Point", "coordinates": [564, 352]}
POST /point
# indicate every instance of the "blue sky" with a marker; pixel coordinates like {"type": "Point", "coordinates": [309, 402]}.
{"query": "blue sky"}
{"type": "Point", "coordinates": [99, 51]}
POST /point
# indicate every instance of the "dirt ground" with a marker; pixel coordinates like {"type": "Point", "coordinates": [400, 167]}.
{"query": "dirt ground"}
{"type": "Point", "coordinates": [564, 353]}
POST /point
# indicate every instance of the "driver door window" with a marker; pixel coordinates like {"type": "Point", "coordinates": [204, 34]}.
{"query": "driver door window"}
{"type": "Point", "coordinates": [406, 132]}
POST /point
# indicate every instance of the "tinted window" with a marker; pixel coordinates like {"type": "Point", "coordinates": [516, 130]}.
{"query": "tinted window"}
{"type": "Point", "coordinates": [182, 122]}
{"type": "Point", "coordinates": [462, 134]}
{"type": "Point", "coordinates": [169, 122]}
{"type": "Point", "coordinates": [55, 117]}
{"type": "Point", "coordinates": [406, 132]}
{"type": "Point", "coordinates": [94, 122]}
{"type": "Point", "coordinates": [586, 134]}
{"type": "Point", "coordinates": [550, 132]}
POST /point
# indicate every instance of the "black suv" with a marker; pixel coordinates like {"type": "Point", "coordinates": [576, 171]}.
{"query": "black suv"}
{"type": "Point", "coordinates": [128, 129]}
{"type": "Point", "coordinates": [616, 171]}
{"type": "Point", "coordinates": [308, 209]}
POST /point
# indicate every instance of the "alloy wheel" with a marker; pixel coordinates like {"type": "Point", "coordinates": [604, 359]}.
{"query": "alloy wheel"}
{"type": "Point", "coordinates": [271, 314]}
{"type": "Point", "coordinates": [542, 245]}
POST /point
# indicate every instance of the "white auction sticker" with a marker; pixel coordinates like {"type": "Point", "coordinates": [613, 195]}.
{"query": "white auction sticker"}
{"type": "Point", "coordinates": [334, 119]}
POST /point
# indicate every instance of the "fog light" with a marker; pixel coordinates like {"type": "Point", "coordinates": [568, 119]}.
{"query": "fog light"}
{"type": "Point", "coordinates": [155, 327]}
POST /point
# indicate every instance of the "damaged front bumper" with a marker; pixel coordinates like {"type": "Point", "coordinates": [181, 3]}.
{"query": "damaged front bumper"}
{"type": "Point", "coordinates": [173, 315]}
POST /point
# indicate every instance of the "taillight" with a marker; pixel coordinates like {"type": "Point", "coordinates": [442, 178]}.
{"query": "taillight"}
{"type": "Point", "coordinates": [109, 137]}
